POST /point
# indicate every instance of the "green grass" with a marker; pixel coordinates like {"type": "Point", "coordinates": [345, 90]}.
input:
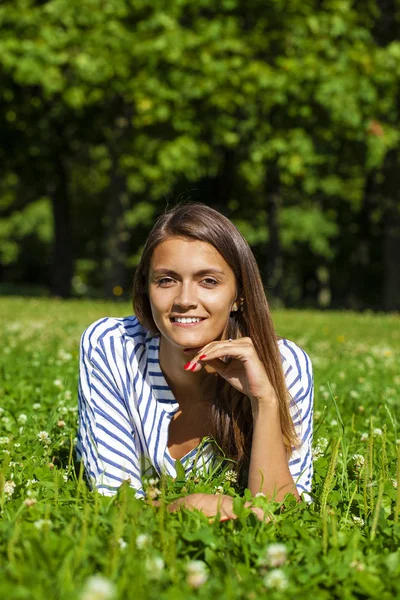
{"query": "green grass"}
{"type": "Point", "coordinates": [344, 545]}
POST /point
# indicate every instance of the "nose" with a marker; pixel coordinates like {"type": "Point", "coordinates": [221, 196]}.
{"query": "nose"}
{"type": "Point", "coordinates": [186, 296]}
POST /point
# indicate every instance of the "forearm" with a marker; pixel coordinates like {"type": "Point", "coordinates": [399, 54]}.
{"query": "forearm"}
{"type": "Point", "coordinates": [213, 504]}
{"type": "Point", "coordinates": [209, 504]}
{"type": "Point", "coordinates": [269, 470]}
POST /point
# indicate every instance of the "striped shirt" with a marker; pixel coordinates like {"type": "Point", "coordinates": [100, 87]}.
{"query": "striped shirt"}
{"type": "Point", "coordinates": [125, 408]}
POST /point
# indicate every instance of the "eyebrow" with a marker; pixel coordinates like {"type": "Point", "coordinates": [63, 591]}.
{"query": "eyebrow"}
{"type": "Point", "coordinates": [201, 272]}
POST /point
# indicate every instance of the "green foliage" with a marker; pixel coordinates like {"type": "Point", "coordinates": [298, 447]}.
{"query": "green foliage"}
{"type": "Point", "coordinates": [35, 219]}
{"type": "Point", "coordinates": [55, 533]}
{"type": "Point", "coordinates": [301, 96]}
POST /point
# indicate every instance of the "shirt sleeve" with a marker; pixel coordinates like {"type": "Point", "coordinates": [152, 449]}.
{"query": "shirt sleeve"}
{"type": "Point", "coordinates": [105, 441]}
{"type": "Point", "coordinates": [300, 383]}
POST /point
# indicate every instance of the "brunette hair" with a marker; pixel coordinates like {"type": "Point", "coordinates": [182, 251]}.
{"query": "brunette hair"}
{"type": "Point", "coordinates": [231, 420]}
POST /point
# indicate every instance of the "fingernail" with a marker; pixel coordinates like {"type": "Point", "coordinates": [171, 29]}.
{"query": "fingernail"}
{"type": "Point", "coordinates": [187, 365]}
{"type": "Point", "coordinates": [202, 356]}
{"type": "Point", "coordinates": [194, 366]}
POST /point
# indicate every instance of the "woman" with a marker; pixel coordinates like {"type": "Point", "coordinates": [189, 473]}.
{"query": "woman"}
{"type": "Point", "coordinates": [199, 361]}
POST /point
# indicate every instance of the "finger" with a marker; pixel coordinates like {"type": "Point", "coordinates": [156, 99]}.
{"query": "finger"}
{"type": "Point", "coordinates": [241, 352]}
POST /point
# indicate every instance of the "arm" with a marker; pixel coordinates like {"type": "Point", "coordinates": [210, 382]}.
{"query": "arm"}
{"type": "Point", "coordinates": [213, 504]}
{"type": "Point", "coordinates": [105, 439]}
{"type": "Point", "coordinates": [283, 471]}
{"type": "Point", "coordinates": [269, 469]}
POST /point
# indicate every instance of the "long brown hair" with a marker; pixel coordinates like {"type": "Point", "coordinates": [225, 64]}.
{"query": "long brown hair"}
{"type": "Point", "coordinates": [231, 419]}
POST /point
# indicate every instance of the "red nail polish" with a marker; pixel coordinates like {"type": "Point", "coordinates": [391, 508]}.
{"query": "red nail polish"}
{"type": "Point", "coordinates": [193, 368]}
{"type": "Point", "coordinates": [202, 356]}
{"type": "Point", "coordinates": [187, 365]}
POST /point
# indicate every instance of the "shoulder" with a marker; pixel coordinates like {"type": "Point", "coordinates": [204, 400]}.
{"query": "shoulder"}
{"type": "Point", "coordinates": [297, 367]}
{"type": "Point", "coordinates": [112, 329]}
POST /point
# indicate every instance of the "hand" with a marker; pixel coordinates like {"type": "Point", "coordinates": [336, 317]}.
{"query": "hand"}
{"type": "Point", "coordinates": [245, 372]}
{"type": "Point", "coordinates": [211, 505]}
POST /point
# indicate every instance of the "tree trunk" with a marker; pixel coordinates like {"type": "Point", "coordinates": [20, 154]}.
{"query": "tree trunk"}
{"type": "Point", "coordinates": [62, 255]}
{"type": "Point", "coordinates": [391, 257]}
{"type": "Point", "coordinates": [274, 264]}
{"type": "Point", "coordinates": [116, 237]}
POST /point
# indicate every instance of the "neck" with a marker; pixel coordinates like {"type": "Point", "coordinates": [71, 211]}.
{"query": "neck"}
{"type": "Point", "coordinates": [172, 361]}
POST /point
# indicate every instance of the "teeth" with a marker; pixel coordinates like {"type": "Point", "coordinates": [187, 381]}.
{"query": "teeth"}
{"type": "Point", "coordinates": [187, 320]}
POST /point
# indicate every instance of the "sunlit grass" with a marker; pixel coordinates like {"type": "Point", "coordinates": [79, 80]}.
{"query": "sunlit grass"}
{"type": "Point", "coordinates": [55, 534]}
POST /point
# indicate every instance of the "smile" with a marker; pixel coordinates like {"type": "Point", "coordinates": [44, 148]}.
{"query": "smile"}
{"type": "Point", "coordinates": [186, 321]}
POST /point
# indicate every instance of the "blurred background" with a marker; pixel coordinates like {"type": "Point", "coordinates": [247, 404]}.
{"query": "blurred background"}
{"type": "Point", "coordinates": [284, 115]}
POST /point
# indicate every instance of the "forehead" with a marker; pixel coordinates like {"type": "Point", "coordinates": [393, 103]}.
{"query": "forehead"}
{"type": "Point", "coordinates": [187, 254]}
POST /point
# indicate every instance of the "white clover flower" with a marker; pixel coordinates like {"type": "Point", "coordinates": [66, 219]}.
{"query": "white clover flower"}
{"type": "Point", "coordinates": [30, 482]}
{"type": "Point", "coordinates": [154, 567]}
{"type": "Point", "coordinates": [9, 488]}
{"type": "Point", "coordinates": [219, 489]}
{"type": "Point", "coordinates": [63, 410]}
{"type": "Point", "coordinates": [197, 574]}
{"type": "Point", "coordinates": [142, 541]}
{"type": "Point", "coordinates": [57, 382]}
{"type": "Point", "coordinates": [359, 461]}
{"type": "Point", "coordinates": [153, 481]}
{"type": "Point", "coordinates": [231, 476]}
{"type": "Point", "coordinates": [358, 520]}
{"type": "Point", "coordinates": [17, 445]}
{"type": "Point", "coordinates": [377, 431]}
{"type": "Point", "coordinates": [22, 419]}
{"type": "Point", "coordinates": [4, 440]}
{"type": "Point", "coordinates": [98, 587]}
{"type": "Point", "coordinates": [361, 408]}
{"type": "Point", "coordinates": [317, 453]}
{"type": "Point", "coordinates": [5, 420]}
{"type": "Point", "coordinates": [276, 579]}
{"type": "Point", "coordinates": [323, 442]}
{"type": "Point", "coordinates": [122, 543]}
{"type": "Point", "coordinates": [68, 394]}
{"type": "Point", "coordinates": [334, 422]}
{"type": "Point", "coordinates": [152, 493]}
{"type": "Point", "coordinates": [30, 502]}
{"type": "Point", "coordinates": [6, 452]}
{"type": "Point", "coordinates": [36, 406]}
{"type": "Point", "coordinates": [64, 356]}
{"type": "Point", "coordinates": [260, 495]}
{"type": "Point", "coordinates": [42, 523]}
{"type": "Point", "coordinates": [364, 437]}
{"type": "Point", "coordinates": [276, 555]}
{"type": "Point", "coordinates": [357, 565]}
{"type": "Point", "coordinates": [44, 437]}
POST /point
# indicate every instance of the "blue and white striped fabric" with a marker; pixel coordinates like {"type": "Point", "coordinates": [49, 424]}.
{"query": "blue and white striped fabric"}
{"type": "Point", "coordinates": [126, 405]}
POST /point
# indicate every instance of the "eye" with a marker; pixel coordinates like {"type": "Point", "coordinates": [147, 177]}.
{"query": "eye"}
{"type": "Point", "coordinates": [164, 281]}
{"type": "Point", "coordinates": [211, 281]}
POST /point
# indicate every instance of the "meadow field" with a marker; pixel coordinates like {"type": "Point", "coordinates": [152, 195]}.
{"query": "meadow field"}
{"type": "Point", "coordinates": [60, 541]}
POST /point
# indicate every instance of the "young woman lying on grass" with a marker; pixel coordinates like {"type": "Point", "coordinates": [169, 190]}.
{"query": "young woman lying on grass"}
{"type": "Point", "coordinates": [200, 359]}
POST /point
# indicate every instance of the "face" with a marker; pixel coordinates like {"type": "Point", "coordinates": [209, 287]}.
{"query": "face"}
{"type": "Point", "coordinates": [187, 279]}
